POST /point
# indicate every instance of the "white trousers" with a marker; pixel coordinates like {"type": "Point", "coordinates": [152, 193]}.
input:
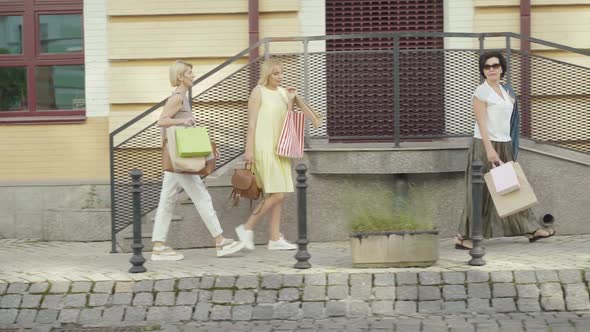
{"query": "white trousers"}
{"type": "Point", "coordinates": [196, 190]}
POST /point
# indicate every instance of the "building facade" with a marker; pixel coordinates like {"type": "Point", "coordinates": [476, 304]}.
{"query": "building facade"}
{"type": "Point", "coordinates": [72, 71]}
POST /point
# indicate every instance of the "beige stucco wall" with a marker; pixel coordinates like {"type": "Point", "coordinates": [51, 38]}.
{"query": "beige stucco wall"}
{"type": "Point", "coordinates": [560, 21]}
{"type": "Point", "coordinates": [146, 36]}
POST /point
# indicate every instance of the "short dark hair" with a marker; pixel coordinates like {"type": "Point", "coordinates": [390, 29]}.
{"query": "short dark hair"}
{"type": "Point", "coordinates": [492, 54]}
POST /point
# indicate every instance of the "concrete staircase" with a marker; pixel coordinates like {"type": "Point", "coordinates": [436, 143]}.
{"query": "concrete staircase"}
{"type": "Point", "coordinates": [436, 167]}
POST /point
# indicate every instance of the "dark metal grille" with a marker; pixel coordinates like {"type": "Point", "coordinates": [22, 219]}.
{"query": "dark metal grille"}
{"type": "Point", "coordinates": [360, 95]}
{"type": "Point", "coordinates": [554, 98]}
{"type": "Point", "coordinates": [345, 17]}
{"type": "Point", "coordinates": [361, 84]}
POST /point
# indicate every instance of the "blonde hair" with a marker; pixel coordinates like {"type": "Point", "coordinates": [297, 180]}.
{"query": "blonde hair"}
{"type": "Point", "coordinates": [266, 69]}
{"type": "Point", "coordinates": [176, 69]}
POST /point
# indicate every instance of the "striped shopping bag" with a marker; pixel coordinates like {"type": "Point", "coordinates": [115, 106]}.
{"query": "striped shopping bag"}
{"type": "Point", "coordinates": [290, 143]}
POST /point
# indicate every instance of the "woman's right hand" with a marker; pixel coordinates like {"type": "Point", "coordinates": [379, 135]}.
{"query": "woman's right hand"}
{"type": "Point", "coordinates": [249, 157]}
{"type": "Point", "coordinates": [493, 157]}
{"type": "Point", "coordinates": [189, 122]}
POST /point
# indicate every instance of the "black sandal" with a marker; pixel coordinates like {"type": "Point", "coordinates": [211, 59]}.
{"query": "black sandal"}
{"type": "Point", "coordinates": [534, 238]}
{"type": "Point", "coordinates": [460, 246]}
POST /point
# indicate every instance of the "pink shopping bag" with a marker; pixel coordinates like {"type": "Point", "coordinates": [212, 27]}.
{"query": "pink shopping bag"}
{"type": "Point", "coordinates": [504, 178]}
{"type": "Point", "coordinates": [290, 143]}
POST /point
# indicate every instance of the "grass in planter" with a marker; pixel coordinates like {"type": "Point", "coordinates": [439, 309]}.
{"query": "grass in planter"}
{"type": "Point", "coordinates": [378, 209]}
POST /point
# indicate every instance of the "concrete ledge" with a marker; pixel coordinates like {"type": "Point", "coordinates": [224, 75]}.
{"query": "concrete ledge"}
{"type": "Point", "coordinates": [439, 156]}
{"type": "Point", "coordinates": [77, 225]}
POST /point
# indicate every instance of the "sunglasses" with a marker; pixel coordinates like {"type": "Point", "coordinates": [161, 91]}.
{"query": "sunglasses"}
{"type": "Point", "coordinates": [495, 66]}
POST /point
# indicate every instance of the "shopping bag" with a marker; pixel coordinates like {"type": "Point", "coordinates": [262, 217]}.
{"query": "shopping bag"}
{"type": "Point", "coordinates": [171, 162]}
{"type": "Point", "coordinates": [504, 178]}
{"type": "Point", "coordinates": [516, 201]}
{"type": "Point", "coordinates": [192, 142]}
{"type": "Point", "coordinates": [210, 162]}
{"type": "Point", "coordinates": [290, 143]}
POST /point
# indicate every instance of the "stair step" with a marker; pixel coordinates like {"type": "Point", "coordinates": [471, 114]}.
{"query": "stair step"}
{"type": "Point", "coordinates": [143, 236]}
{"type": "Point", "coordinates": [175, 217]}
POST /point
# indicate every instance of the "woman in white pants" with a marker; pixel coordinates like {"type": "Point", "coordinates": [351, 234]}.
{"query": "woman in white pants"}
{"type": "Point", "coordinates": [177, 112]}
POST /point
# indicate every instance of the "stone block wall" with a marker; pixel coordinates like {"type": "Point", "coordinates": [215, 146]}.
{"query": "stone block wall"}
{"type": "Point", "coordinates": [293, 296]}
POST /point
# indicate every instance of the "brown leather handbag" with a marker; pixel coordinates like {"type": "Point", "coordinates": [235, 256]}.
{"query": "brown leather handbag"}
{"type": "Point", "coordinates": [209, 164]}
{"type": "Point", "coordinates": [244, 185]}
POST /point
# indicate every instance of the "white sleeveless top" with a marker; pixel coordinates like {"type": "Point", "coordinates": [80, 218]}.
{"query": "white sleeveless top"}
{"type": "Point", "coordinates": [499, 111]}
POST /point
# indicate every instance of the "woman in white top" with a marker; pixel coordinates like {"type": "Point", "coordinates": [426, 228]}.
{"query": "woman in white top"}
{"type": "Point", "coordinates": [177, 112]}
{"type": "Point", "coordinates": [492, 144]}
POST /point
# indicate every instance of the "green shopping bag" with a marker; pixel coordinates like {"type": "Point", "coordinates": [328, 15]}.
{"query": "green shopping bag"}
{"type": "Point", "coordinates": [192, 142]}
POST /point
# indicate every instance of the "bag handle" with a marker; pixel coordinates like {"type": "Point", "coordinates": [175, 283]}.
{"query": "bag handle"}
{"type": "Point", "coordinates": [316, 115]}
{"type": "Point", "coordinates": [500, 163]}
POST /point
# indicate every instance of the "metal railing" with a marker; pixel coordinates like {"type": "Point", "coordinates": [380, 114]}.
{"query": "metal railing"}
{"type": "Point", "coordinates": [390, 94]}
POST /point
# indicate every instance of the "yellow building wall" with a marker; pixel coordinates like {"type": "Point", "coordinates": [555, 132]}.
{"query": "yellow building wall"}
{"type": "Point", "coordinates": [145, 36]}
{"type": "Point", "coordinates": [42, 153]}
{"type": "Point", "coordinates": [560, 21]}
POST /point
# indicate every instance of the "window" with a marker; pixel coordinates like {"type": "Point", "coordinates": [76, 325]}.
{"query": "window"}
{"type": "Point", "coordinates": [41, 61]}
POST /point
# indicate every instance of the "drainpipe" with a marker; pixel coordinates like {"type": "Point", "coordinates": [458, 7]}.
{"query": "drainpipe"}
{"type": "Point", "coordinates": [253, 33]}
{"type": "Point", "coordinates": [525, 68]}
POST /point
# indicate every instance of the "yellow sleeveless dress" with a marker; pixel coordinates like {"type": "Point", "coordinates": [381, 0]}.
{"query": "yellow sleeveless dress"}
{"type": "Point", "coordinates": [273, 173]}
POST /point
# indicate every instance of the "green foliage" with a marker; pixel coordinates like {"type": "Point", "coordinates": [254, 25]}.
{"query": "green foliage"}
{"type": "Point", "coordinates": [379, 209]}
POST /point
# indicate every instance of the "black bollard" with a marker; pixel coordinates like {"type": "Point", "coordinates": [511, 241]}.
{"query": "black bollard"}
{"type": "Point", "coordinates": [478, 251]}
{"type": "Point", "coordinates": [302, 255]}
{"type": "Point", "coordinates": [137, 259]}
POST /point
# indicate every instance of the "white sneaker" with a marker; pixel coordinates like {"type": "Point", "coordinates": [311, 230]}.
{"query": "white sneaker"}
{"type": "Point", "coordinates": [165, 253]}
{"type": "Point", "coordinates": [281, 244]}
{"type": "Point", "coordinates": [246, 236]}
{"type": "Point", "coordinates": [228, 247]}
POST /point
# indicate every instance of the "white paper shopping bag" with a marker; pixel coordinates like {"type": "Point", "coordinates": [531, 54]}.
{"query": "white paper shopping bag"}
{"type": "Point", "coordinates": [504, 178]}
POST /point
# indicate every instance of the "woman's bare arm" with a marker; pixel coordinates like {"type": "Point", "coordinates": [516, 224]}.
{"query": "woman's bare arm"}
{"type": "Point", "coordinates": [480, 111]}
{"type": "Point", "coordinates": [172, 106]}
{"type": "Point", "coordinates": [253, 106]}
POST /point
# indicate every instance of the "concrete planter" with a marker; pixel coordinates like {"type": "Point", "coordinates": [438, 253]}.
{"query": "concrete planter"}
{"type": "Point", "coordinates": [394, 249]}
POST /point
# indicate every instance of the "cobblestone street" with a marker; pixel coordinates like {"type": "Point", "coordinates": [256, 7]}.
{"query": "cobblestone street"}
{"type": "Point", "coordinates": [515, 322]}
{"type": "Point", "coordinates": [546, 322]}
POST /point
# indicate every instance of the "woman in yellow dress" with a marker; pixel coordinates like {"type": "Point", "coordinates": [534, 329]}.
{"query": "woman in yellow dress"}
{"type": "Point", "coordinates": [268, 104]}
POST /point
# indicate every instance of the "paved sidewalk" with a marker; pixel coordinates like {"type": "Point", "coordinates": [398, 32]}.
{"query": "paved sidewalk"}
{"type": "Point", "coordinates": [34, 261]}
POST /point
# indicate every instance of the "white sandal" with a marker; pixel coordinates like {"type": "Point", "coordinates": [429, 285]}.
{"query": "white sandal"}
{"type": "Point", "coordinates": [165, 253]}
{"type": "Point", "coordinates": [228, 247]}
